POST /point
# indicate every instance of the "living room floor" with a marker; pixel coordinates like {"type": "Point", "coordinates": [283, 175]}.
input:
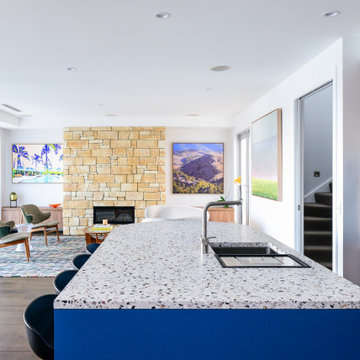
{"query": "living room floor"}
{"type": "Point", "coordinates": [15, 295]}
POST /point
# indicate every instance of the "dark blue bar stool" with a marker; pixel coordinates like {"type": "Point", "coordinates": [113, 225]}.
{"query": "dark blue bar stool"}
{"type": "Point", "coordinates": [63, 279]}
{"type": "Point", "coordinates": [90, 248]}
{"type": "Point", "coordinates": [39, 324]}
{"type": "Point", "coordinates": [79, 260]}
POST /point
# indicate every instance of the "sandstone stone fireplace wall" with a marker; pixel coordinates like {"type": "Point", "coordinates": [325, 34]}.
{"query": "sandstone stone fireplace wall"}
{"type": "Point", "coordinates": [111, 166]}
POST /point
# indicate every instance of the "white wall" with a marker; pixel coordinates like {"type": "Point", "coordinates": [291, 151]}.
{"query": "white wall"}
{"type": "Point", "coordinates": [317, 111]}
{"type": "Point", "coordinates": [43, 194]}
{"type": "Point", "coordinates": [351, 159]}
{"type": "Point", "coordinates": [39, 194]}
{"type": "Point", "coordinates": [278, 218]}
{"type": "Point", "coordinates": [2, 162]}
{"type": "Point", "coordinates": [198, 135]}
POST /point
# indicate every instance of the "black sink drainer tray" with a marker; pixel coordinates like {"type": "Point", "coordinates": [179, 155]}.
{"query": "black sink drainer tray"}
{"type": "Point", "coordinates": [298, 263]}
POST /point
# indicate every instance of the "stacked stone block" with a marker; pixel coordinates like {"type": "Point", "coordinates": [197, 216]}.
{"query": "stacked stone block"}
{"type": "Point", "coordinates": [111, 166]}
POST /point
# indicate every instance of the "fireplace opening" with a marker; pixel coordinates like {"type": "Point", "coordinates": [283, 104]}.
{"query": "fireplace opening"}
{"type": "Point", "coordinates": [114, 214]}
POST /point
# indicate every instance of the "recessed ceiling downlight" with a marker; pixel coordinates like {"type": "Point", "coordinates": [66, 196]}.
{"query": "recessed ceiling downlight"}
{"type": "Point", "coordinates": [220, 68]}
{"type": "Point", "coordinates": [163, 15]}
{"type": "Point", "coordinates": [331, 13]}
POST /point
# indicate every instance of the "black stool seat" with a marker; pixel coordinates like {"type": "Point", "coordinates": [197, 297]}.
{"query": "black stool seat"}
{"type": "Point", "coordinates": [39, 324]}
{"type": "Point", "coordinates": [90, 248]}
{"type": "Point", "coordinates": [79, 260]}
{"type": "Point", "coordinates": [63, 279]}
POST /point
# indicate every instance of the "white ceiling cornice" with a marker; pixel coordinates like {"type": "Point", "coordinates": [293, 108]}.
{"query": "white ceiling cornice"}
{"type": "Point", "coordinates": [8, 121]}
{"type": "Point", "coordinates": [40, 123]}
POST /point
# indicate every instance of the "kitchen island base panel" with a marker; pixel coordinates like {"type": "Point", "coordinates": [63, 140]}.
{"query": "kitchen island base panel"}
{"type": "Point", "coordinates": [206, 334]}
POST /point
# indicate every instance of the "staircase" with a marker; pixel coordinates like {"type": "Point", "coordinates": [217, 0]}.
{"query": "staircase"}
{"type": "Point", "coordinates": [318, 228]}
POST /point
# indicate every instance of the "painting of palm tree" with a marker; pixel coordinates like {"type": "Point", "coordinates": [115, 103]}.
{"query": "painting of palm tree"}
{"type": "Point", "coordinates": [36, 159]}
{"type": "Point", "coordinates": [19, 153]}
{"type": "Point", "coordinates": [37, 163]}
{"type": "Point", "coordinates": [45, 151]}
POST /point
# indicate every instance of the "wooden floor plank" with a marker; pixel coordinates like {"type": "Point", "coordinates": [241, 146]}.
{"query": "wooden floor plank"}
{"type": "Point", "coordinates": [20, 291]}
{"type": "Point", "coordinates": [13, 338]}
{"type": "Point", "coordinates": [15, 295]}
{"type": "Point", "coordinates": [11, 315]}
{"type": "Point", "coordinates": [18, 355]}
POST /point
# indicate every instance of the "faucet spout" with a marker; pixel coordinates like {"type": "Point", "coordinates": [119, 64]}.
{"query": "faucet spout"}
{"type": "Point", "coordinates": [204, 238]}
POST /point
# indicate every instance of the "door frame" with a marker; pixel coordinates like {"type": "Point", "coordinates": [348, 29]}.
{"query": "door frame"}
{"type": "Point", "coordinates": [299, 173]}
{"type": "Point", "coordinates": [245, 134]}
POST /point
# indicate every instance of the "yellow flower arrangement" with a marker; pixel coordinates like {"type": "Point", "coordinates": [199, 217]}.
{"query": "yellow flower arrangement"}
{"type": "Point", "coordinates": [238, 180]}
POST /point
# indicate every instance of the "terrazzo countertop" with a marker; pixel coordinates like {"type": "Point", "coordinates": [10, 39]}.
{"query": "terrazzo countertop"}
{"type": "Point", "coordinates": [159, 265]}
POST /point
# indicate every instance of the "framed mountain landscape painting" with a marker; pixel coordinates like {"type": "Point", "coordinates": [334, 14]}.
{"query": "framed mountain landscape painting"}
{"type": "Point", "coordinates": [37, 163]}
{"type": "Point", "coordinates": [266, 134]}
{"type": "Point", "coordinates": [198, 168]}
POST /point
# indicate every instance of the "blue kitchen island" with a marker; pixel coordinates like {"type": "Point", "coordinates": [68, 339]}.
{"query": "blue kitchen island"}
{"type": "Point", "coordinates": [149, 293]}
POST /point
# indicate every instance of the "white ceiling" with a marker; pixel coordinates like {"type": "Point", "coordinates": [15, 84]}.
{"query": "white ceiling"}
{"type": "Point", "coordinates": [139, 66]}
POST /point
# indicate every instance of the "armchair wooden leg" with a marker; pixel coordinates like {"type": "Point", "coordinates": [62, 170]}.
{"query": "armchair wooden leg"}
{"type": "Point", "coordinates": [27, 249]}
{"type": "Point", "coordinates": [57, 233]}
{"type": "Point", "coordinates": [45, 235]}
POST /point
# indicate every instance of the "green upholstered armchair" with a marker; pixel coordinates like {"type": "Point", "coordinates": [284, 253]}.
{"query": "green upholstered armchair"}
{"type": "Point", "coordinates": [4, 230]}
{"type": "Point", "coordinates": [33, 215]}
{"type": "Point", "coordinates": [7, 239]}
{"type": "Point", "coordinates": [8, 223]}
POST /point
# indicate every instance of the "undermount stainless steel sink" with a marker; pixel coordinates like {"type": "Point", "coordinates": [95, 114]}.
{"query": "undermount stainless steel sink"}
{"type": "Point", "coordinates": [257, 256]}
{"type": "Point", "coordinates": [243, 250]}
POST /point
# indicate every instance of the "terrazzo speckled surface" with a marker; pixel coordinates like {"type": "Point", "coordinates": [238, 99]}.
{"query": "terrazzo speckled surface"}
{"type": "Point", "coordinates": [159, 265]}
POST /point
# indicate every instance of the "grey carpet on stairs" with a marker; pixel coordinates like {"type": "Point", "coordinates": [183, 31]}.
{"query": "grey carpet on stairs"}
{"type": "Point", "coordinates": [318, 228]}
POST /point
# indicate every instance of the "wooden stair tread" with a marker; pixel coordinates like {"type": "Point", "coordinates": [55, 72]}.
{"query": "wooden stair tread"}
{"type": "Point", "coordinates": [315, 218]}
{"type": "Point", "coordinates": [324, 193]}
{"type": "Point", "coordinates": [327, 264]}
{"type": "Point", "coordinates": [317, 205]}
{"type": "Point", "coordinates": [317, 232]}
{"type": "Point", "coordinates": [318, 248]}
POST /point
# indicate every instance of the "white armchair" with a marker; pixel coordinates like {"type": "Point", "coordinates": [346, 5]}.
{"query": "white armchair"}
{"type": "Point", "coordinates": [165, 212]}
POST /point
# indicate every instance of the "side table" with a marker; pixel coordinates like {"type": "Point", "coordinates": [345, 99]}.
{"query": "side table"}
{"type": "Point", "coordinates": [95, 236]}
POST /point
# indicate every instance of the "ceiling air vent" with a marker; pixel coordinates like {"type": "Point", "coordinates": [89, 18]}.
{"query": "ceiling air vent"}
{"type": "Point", "coordinates": [11, 107]}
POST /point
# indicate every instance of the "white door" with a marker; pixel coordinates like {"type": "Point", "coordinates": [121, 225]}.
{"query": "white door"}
{"type": "Point", "coordinates": [314, 215]}
{"type": "Point", "coordinates": [244, 173]}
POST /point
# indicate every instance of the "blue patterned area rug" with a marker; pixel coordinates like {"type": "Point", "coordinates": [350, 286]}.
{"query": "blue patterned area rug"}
{"type": "Point", "coordinates": [45, 261]}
